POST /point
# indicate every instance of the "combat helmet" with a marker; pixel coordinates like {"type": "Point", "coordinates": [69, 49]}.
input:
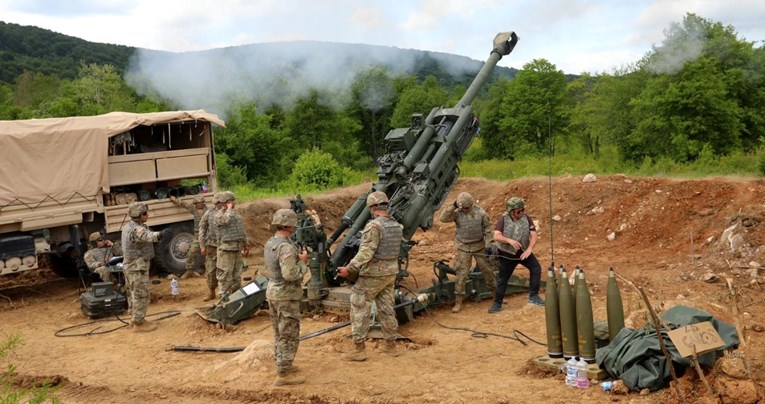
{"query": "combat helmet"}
{"type": "Point", "coordinates": [136, 209]}
{"type": "Point", "coordinates": [515, 202]}
{"type": "Point", "coordinates": [94, 236]}
{"type": "Point", "coordinates": [285, 217]}
{"type": "Point", "coordinates": [226, 196]}
{"type": "Point", "coordinates": [464, 200]}
{"type": "Point", "coordinates": [377, 198]}
{"type": "Point", "coordinates": [199, 198]}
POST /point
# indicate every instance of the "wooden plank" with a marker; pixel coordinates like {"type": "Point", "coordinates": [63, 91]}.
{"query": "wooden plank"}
{"type": "Point", "coordinates": [182, 167]}
{"type": "Point", "coordinates": [203, 151]}
{"type": "Point", "coordinates": [134, 172]}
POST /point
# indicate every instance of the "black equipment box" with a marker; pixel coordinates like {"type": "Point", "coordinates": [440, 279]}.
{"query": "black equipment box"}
{"type": "Point", "coordinates": [101, 300]}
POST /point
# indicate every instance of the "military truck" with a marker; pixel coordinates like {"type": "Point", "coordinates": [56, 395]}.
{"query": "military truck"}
{"type": "Point", "coordinates": [63, 178]}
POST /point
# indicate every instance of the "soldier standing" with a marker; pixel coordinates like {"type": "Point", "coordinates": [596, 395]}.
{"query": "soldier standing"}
{"type": "Point", "coordinates": [138, 249]}
{"type": "Point", "coordinates": [376, 265]}
{"type": "Point", "coordinates": [285, 268]}
{"type": "Point", "coordinates": [209, 238]}
{"type": "Point", "coordinates": [198, 209]}
{"type": "Point", "coordinates": [474, 235]}
{"type": "Point", "coordinates": [515, 236]}
{"type": "Point", "coordinates": [101, 251]}
{"type": "Point", "coordinates": [233, 245]}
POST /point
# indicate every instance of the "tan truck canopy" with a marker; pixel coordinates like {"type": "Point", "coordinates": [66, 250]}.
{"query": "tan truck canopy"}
{"type": "Point", "coordinates": [61, 158]}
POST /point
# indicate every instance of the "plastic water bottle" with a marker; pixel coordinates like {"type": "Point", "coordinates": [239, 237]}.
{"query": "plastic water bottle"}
{"type": "Point", "coordinates": [582, 380]}
{"type": "Point", "coordinates": [571, 372]}
{"type": "Point", "coordinates": [174, 289]}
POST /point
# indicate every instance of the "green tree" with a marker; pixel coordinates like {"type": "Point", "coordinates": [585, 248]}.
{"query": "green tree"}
{"type": "Point", "coordinates": [694, 101]}
{"type": "Point", "coordinates": [98, 89]}
{"type": "Point", "coordinates": [534, 104]}
{"type": "Point", "coordinates": [33, 89]}
{"type": "Point", "coordinates": [313, 124]}
{"type": "Point", "coordinates": [489, 110]}
{"type": "Point", "coordinates": [373, 97]}
{"type": "Point", "coordinates": [678, 115]}
{"type": "Point", "coordinates": [418, 99]}
{"type": "Point", "coordinates": [253, 147]}
{"type": "Point", "coordinates": [601, 112]}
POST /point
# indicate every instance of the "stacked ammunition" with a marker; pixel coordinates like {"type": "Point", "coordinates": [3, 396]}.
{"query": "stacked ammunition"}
{"type": "Point", "coordinates": [568, 315]}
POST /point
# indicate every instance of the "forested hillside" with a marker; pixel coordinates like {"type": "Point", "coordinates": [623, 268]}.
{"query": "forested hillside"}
{"type": "Point", "coordinates": [37, 50]}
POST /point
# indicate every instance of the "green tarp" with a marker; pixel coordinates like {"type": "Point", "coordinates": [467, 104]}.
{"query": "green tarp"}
{"type": "Point", "coordinates": [635, 356]}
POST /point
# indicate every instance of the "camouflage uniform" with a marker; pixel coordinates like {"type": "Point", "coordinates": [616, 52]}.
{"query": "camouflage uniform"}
{"type": "Point", "coordinates": [191, 258]}
{"type": "Point", "coordinates": [285, 273]}
{"type": "Point", "coordinates": [474, 234]}
{"type": "Point", "coordinates": [138, 249]}
{"type": "Point", "coordinates": [209, 238]}
{"type": "Point", "coordinates": [96, 259]}
{"type": "Point", "coordinates": [232, 240]}
{"type": "Point", "coordinates": [377, 266]}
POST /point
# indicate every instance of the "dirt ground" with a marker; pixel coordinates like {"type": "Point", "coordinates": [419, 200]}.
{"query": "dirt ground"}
{"type": "Point", "coordinates": [666, 235]}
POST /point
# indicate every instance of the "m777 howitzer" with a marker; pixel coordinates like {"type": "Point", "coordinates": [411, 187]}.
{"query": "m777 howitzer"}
{"type": "Point", "coordinates": [416, 173]}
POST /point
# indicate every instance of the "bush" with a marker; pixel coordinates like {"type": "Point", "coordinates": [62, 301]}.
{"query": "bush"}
{"type": "Point", "coordinates": [318, 170]}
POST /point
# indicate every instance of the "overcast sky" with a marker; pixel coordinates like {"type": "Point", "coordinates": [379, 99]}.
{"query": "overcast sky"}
{"type": "Point", "coordinates": [575, 35]}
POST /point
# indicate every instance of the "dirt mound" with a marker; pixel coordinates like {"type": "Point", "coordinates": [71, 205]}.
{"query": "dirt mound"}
{"type": "Point", "coordinates": [678, 239]}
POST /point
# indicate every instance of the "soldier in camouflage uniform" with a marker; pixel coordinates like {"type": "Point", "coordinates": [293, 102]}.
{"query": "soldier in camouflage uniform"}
{"type": "Point", "coordinates": [209, 238]}
{"type": "Point", "coordinates": [285, 267]}
{"type": "Point", "coordinates": [515, 235]}
{"type": "Point", "coordinates": [233, 245]}
{"type": "Point", "coordinates": [474, 235]}
{"type": "Point", "coordinates": [100, 252]}
{"type": "Point", "coordinates": [138, 249]}
{"type": "Point", "coordinates": [198, 209]}
{"type": "Point", "coordinates": [376, 265]}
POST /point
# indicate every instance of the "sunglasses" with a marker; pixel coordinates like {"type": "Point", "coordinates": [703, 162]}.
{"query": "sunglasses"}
{"type": "Point", "coordinates": [101, 239]}
{"type": "Point", "coordinates": [517, 211]}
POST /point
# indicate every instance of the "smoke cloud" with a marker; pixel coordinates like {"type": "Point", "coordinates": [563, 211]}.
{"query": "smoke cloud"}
{"type": "Point", "coordinates": [683, 44]}
{"type": "Point", "coordinates": [273, 73]}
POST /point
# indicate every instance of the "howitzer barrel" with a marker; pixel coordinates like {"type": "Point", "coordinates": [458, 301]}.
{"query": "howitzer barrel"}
{"type": "Point", "coordinates": [504, 43]}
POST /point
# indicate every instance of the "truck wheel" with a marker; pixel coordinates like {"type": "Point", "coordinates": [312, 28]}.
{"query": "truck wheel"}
{"type": "Point", "coordinates": [171, 252]}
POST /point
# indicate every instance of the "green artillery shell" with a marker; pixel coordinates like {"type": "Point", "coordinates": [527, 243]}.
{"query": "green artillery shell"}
{"type": "Point", "coordinates": [552, 316]}
{"type": "Point", "coordinates": [567, 317]}
{"type": "Point", "coordinates": [614, 308]}
{"type": "Point", "coordinates": [584, 323]}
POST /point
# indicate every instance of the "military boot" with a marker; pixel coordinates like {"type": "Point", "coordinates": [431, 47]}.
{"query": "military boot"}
{"type": "Point", "coordinates": [359, 353]}
{"type": "Point", "coordinates": [210, 296]}
{"type": "Point", "coordinates": [457, 304]}
{"type": "Point", "coordinates": [389, 348]}
{"type": "Point", "coordinates": [287, 379]}
{"type": "Point", "coordinates": [143, 326]}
